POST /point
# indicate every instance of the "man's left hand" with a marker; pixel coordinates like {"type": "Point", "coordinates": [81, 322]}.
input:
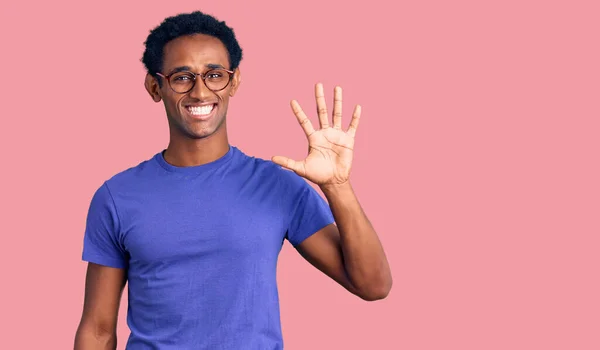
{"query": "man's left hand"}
{"type": "Point", "coordinates": [330, 148]}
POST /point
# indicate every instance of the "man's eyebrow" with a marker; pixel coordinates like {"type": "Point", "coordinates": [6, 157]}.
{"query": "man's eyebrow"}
{"type": "Point", "coordinates": [180, 69]}
{"type": "Point", "coordinates": [189, 69]}
{"type": "Point", "coordinates": [214, 66]}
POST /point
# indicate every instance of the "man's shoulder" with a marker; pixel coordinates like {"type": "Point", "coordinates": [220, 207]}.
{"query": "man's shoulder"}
{"type": "Point", "coordinates": [134, 174]}
{"type": "Point", "coordinates": [265, 168]}
{"type": "Point", "coordinates": [271, 174]}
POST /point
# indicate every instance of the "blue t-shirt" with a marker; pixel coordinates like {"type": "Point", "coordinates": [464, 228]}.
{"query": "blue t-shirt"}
{"type": "Point", "coordinates": [200, 245]}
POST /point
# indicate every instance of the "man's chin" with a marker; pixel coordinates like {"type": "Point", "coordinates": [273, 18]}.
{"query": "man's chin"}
{"type": "Point", "coordinates": [202, 133]}
{"type": "Point", "coordinates": [197, 130]}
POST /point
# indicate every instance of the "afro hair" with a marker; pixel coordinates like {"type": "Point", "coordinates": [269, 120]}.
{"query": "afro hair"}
{"type": "Point", "coordinates": [188, 24]}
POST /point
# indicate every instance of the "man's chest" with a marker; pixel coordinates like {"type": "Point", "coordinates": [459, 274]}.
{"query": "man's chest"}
{"type": "Point", "coordinates": [198, 225]}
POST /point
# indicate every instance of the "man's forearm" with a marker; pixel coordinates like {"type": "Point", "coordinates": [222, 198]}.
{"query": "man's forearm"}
{"type": "Point", "coordinates": [90, 339]}
{"type": "Point", "coordinates": [364, 258]}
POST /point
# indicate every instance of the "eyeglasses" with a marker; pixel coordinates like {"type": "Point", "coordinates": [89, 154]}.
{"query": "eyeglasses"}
{"type": "Point", "coordinates": [184, 81]}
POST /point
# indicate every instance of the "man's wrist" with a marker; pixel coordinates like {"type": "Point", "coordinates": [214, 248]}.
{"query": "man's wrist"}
{"type": "Point", "coordinates": [336, 189]}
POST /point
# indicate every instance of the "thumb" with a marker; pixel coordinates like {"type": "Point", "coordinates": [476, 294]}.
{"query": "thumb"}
{"type": "Point", "coordinates": [288, 163]}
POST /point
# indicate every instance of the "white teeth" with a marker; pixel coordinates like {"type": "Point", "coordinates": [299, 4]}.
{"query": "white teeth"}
{"type": "Point", "coordinates": [203, 110]}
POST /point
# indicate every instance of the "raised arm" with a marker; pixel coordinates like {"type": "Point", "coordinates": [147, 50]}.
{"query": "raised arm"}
{"type": "Point", "coordinates": [349, 252]}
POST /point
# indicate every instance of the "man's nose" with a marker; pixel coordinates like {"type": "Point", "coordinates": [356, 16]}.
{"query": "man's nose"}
{"type": "Point", "coordinates": [200, 91]}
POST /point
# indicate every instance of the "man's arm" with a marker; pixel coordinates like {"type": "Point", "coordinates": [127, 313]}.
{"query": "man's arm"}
{"type": "Point", "coordinates": [103, 290]}
{"type": "Point", "coordinates": [350, 253]}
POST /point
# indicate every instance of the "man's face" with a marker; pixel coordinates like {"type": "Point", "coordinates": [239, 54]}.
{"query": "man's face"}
{"type": "Point", "coordinates": [200, 112]}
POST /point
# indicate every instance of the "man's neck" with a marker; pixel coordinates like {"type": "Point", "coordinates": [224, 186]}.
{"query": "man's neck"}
{"type": "Point", "coordinates": [189, 152]}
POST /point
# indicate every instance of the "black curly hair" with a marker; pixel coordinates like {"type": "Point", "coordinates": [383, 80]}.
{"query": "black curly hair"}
{"type": "Point", "coordinates": [188, 24]}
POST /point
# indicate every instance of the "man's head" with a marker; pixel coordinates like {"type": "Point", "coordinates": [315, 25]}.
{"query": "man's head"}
{"type": "Point", "coordinates": [190, 59]}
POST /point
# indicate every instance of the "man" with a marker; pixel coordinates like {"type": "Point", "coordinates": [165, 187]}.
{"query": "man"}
{"type": "Point", "coordinates": [196, 230]}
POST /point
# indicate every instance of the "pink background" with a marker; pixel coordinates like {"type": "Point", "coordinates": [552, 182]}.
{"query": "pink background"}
{"type": "Point", "coordinates": [477, 159]}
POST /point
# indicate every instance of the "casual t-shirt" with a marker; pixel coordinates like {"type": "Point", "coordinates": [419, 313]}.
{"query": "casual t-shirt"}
{"type": "Point", "coordinates": [200, 246]}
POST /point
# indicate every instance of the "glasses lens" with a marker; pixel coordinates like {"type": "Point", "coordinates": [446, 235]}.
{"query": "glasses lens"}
{"type": "Point", "coordinates": [216, 79]}
{"type": "Point", "coordinates": [182, 82]}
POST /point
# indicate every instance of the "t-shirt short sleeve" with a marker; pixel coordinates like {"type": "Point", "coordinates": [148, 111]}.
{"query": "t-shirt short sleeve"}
{"type": "Point", "coordinates": [101, 244]}
{"type": "Point", "coordinates": [310, 211]}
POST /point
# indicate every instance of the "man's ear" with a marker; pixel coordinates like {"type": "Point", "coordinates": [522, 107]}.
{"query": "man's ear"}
{"type": "Point", "coordinates": [152, 87]}
{"type": "Point", "coordinates": [235, 82]}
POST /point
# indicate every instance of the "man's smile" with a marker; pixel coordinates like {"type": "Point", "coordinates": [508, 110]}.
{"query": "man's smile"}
{"type": "Point", "coordinates": [201, 111]}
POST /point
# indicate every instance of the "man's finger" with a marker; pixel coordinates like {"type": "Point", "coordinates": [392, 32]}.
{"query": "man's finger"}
{"type": "Point", "coordinates": [289, 164]}
{"type": "Point", "coordinates": [354, 123]}
{"type": "Point", "coordinates": [337, 107]}
{"type": "Point", "coordinates": [321, 106]}
{"type": "Point", "coordinates": [302, 118]}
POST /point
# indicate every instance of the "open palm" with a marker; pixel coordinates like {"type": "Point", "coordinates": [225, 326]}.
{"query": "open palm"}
{"type": "Point", "coordinates": [331, 149]}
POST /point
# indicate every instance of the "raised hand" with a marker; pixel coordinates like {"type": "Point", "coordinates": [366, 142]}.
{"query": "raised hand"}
{"type": "Point", "coordinates": [330, 148]}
